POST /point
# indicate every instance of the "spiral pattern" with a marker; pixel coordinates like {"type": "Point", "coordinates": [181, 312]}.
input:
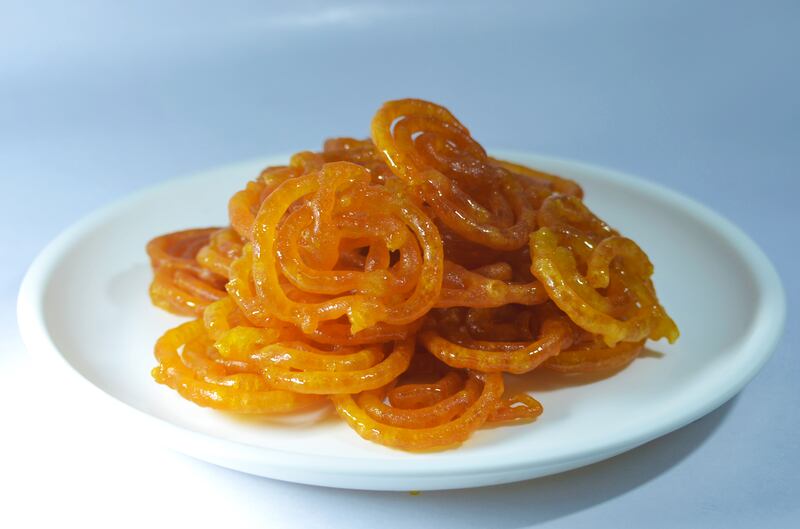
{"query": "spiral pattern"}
{"type": "Point", "coordinates": [400, 278]}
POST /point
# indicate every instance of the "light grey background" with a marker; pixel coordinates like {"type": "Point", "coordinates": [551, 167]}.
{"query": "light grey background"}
{"type": "Point", "coordinates": [98, 99]}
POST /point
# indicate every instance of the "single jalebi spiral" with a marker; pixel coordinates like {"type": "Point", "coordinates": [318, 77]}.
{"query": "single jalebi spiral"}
{"type": "Point", "coordinates": [181, 284]}
{"type": "Point", "coordinates": [598, 278]}
{"type": "Point", "coordinates": [399, 278]}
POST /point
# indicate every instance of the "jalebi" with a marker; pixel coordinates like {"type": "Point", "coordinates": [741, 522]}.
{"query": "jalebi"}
{"type": "Point", "coordinates": [399, 278]}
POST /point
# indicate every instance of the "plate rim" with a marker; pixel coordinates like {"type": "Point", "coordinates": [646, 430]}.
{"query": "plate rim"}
{"type": "Point", "coordinates": [768, 322]}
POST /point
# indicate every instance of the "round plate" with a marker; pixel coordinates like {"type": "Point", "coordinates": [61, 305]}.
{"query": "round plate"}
{"type": "Point", "coordinates": [84, 305]}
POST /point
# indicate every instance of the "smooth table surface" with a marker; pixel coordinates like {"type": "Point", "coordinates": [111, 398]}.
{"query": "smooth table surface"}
{"type": "Point", "coordinates": [100, 99]}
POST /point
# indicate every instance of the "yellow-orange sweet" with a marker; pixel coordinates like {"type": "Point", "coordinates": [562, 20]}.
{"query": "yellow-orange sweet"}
{"type": "Point", "coordinates": [400, 278]}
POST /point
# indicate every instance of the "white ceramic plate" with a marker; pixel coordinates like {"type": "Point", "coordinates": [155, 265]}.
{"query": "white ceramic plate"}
{"type": "Point", "coordinates": [84, 306]}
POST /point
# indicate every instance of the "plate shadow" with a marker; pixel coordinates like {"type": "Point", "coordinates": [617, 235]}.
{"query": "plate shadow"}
{"type": "Point", "coordinates": [508, 506]}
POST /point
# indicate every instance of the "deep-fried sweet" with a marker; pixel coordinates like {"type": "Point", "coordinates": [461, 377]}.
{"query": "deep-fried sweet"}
{"type": "Point", "coordinates": [399, 278]}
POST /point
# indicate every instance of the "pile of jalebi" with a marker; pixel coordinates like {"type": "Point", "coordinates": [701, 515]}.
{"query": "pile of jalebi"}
{"type": "Point", "coordinates": [399, 278]}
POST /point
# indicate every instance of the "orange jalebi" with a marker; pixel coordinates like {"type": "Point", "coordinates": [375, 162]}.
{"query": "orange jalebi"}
{"type": "Point", "coordinates": [181, 284]}
{"type": "Point", "coordinates": [399, 278]}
